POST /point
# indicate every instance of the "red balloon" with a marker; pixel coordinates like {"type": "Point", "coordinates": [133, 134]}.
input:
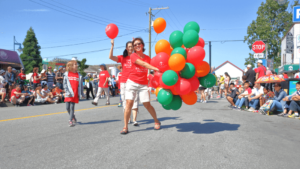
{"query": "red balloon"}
{"type": "Point", "coordinates": [157, 76]}
{"type": "Point", "coordinates": [112, 31]}
{"type": "Point", "coordinates": [153, 62]}
{"type": "Point", "coordinates": [161, 61]}
{"type": "Point", "coordinates": [154, 82]}
{"type": "Point", "coordinates": [201, 43]}
{"type": "Point", "coordinates": [196, 55]}
{"type": "Point", "coordinates": [163, 85]}
{"type": "Point", "coordinates": [183, 86]}
{"type": "Point", "coordinates": [194, 83]}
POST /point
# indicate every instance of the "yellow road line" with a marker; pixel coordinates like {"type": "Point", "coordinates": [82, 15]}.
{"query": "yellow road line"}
{"type": "Point", "coordinates": [49, 114]}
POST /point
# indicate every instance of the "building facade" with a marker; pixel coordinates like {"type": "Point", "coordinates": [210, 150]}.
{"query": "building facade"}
{"type": "Point", "coordinates": [233, 71]}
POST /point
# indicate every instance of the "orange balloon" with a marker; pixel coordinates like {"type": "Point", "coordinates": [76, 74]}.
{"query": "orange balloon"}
{"type": "Point", "coordinates": [163, 46]}
{"type": "Point", "coordinates": [174, 91]}
{"type": "Point", "coordinates": [202, 69]}
{"type": "Point", "coordinates": [190, 98]}
{"type": "Point", "coordinates": [177, 62]}
{"type": "Point", "coordinates": [159, 25]}
{"type": "Point", "coordinates": [157, 90]}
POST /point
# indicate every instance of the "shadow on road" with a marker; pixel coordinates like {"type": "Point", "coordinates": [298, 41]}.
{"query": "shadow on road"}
{"type": "Point", "coordinates": [97, 122]}
{"type": "Point", "coordinates": [149, 121]}
{"type": "Point", "coordinates": [198, 128]}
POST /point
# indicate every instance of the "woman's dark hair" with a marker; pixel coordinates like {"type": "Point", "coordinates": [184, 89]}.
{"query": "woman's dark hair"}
{"type": "Point", "coordinates": [140, 39]}
{"type": "Point", "coordinates": [228, 75]}
{"type": "Point", "coordinates": [44, 85]}
{"type": "Point", "coordinates": [125, 53]}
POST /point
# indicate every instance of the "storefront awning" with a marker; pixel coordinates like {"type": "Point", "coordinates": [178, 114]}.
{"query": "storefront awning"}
{"type": "Point", "coordinates": [9, 57]}
{"type": "Point", "coordinates": [291, 68]}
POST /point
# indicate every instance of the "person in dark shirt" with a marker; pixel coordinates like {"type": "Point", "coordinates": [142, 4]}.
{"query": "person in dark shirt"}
{"type": "Point", "coordinates": [251, 75]}
{"type": "Point", "coordinates": [233, 94]}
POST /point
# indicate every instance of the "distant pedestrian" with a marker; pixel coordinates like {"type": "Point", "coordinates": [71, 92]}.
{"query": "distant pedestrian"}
{"type": "Point", "coordinates": [103, 85]}
{"type": "Point", "coordinates": [251, 75]}
{"type": "Point", "coordinates": [50, 77]}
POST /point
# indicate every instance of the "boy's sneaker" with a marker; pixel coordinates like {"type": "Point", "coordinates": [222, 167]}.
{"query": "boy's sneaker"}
{"type": "Point", "coordinates": [293, 116]}
{"type": "Point", "coordinates": [71, 124]}
{"type": "Point", "coordinates": [74, 120]}
{"type": "Point", "coordinates": [237, 109]}
{"type": "Point", "coordinates": [251, 109]}
{"type": "Point", "coordinates": [94, 103]}
{"type": "Point", "coordinates": [286, 115]}
{"type": "Point", "coordinates": [218, 96]}
{"type": "Point", "coordinates": [204, 101]}
{"type": "Point", "coordinates": [281, 114]}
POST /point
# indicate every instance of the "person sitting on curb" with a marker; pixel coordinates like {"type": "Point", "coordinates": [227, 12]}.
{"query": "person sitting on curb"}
{"type": "Point", "coordinates": [28, 99]}
{"type": "Point", "coordinates": [17, 97]}
{"type": "Point", "coordinates": [241, 98]}
{"type": "Point", "coordinates": [294, 106]}
{"type": "Point", "coordinates": [288, 100]}
{"type": "Point", "coordinates": [265, 97]}
{"type": "Point", "coordinates": [278, 103]}
{"type": "Point", "coordinates": [233, 93]}
{"type": "Point", "coordinates": [253, 98]}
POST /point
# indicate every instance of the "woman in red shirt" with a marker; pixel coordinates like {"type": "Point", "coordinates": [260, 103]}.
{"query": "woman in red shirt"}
{"type": "Point", "coordinates": [22, 77]}
{"type": "Point", "coordinates": [73, 87]}
{"type": "Point", "coordinates": [137, 83]}
{"type": "Point", "coordinates": [36, 78]}
{"type": "Point", "coordinates": [126, 69]}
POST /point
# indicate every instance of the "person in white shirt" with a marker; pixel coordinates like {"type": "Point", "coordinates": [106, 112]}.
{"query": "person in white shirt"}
{"type": "Point", "coordinates": [2, 86]}
{"type": "Point", "coordinates": [253, 98]}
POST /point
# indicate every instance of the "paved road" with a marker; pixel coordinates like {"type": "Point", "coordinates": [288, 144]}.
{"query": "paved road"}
{"type": "Point", "coordinates": [199, 136]}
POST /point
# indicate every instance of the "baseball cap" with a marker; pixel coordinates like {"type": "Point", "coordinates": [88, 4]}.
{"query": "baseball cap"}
{"type": "Point", "coordinates": [54, 70]}
{"type": "Point", "coordinates": [102, 64]}
{"type": "Point", "coordinates": [259, 61]}
{"type": "Point", "coordinates": [13, 69]}
{"type": "Point", "coordinates": [43, 71]}
{"type": "Point", "coordinates": [249, 65]}
{"type": "Point", "coordinates": [49, 67]}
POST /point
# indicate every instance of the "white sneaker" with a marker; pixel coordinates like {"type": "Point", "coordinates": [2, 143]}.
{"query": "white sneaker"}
{"type": "Point", "coordinates": [201, 101]}
{"type": "Point", "coordinates": [251, 109]}
{"type": "Point", "coordinates": [205, 101]}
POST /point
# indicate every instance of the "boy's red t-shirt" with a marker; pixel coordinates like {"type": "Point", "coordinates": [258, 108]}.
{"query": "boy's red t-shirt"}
{"type": "Point", "coordinates": [102, 77]}
{"type": "Point", "coordinates": [22, 76]}
{"type": "Point", "coordinates": [138, 73]}
{"type": "Point", "coordinates": [13, 94]}
{"type": "Point", "coordinates": [126, 66]}
{"type": "Point", "coordinates": [249, 90]}
{"type": "Point", "coordinates": [74, 81]}
{"type": "Point", "coordinates": [37, 76]}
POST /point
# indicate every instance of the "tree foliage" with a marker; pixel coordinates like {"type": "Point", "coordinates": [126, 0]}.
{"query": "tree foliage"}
{"type": "Point", "coordinates": [31, 56]}
{"type": "Point", "coordinates": [82, 66]}
{"type": "Point", "coordinates": [272, 23]}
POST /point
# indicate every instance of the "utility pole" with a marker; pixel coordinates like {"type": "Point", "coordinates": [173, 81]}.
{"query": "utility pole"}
{"type": "Point", "coordinates": [150, 21]}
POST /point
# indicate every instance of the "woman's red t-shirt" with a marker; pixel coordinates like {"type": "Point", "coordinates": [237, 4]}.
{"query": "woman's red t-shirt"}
{"type": "Point", "coordinates": [37, 76]}
{"type": "Point", "coordinates": [74, 81]}
{"type": "Point", "coordinates": [22, 76]}
{"type": "Point", "coordinates": [126, 66]}
{"type": "Point", "coordinates": [138, 73]}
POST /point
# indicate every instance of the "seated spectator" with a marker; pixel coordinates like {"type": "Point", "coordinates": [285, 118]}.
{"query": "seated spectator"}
{"type": "Point", "coordinates": [55, 92]}
{"type": "Point", "coordinates": [43, 95]}
{"type": "Point", "coordinates": [17, 97]}
{"type": "Point", "coordinates": [278, 103]}
{"type": "Point", "coordinates": [241, 98]}
{"type": "Point", "coordinates": [294, 106]}
{"type": "Point", "coordinates": [253, 98]}
{"type": "Point", "coordinates": [3, 83]}
{"type": "Point", "coordinates": [30, 98]}
{"type": "Point", "coordinates": [265, 97]}
{"type": "Point", "coordinates": [288, 100]}
{"type": "Point", "coordinates": [233, 94]}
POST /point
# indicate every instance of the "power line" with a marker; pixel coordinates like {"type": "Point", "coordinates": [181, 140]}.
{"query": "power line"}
{"type": "Point", "coordinates": [73, 15]}
{"type": "Point", "coordinates": [172, 20]}
{"type": "Point", "coordinates": [109, 20]}
{"type": "Point", "coordinates": [90, 41]}
{"type": "Point", "coordinates": [175, 18]}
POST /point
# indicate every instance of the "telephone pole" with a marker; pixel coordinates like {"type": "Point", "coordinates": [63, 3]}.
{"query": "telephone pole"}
{"type": "Point", "coordinates": [150, 21]}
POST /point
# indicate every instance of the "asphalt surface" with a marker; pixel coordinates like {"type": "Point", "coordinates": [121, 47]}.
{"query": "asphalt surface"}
{"type": "Point", "coordinates": [200, 136]}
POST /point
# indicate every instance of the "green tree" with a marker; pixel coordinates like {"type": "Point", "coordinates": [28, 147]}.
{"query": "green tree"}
{"type": "Point", "coordinates": [82, 66]}
{"type": "Point", "coordinates": [31, 56]}
{"type": "Point", "coordinates": [272, 23]}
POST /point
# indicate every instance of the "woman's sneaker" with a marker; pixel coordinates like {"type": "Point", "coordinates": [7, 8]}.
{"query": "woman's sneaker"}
{"type": "Point", "coordinates": [74, 120]}
{"type": "Point", "coordinates": [71, 124]}
{"type": "Point", "coordinates": [135, 123]}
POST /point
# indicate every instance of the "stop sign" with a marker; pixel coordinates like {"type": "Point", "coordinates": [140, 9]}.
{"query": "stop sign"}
{"type": "Point", "coordinates": [258, 46]}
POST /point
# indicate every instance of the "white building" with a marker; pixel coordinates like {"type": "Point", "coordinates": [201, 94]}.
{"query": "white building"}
{"type": "Point", "coordinates": [291, 55]}
{"type": "Point", "coordinates": [233, 71]}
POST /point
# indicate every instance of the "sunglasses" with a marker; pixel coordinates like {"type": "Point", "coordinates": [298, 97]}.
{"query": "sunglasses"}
{"type": "Point", "coordinates": [137, 44]}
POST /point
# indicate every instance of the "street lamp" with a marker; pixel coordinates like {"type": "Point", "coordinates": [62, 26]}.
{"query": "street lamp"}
{"type": "Point", "coordinates": [20, 49]}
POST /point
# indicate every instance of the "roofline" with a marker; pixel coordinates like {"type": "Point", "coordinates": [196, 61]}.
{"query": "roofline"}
{"type": "Point", "coordinates": [289, 30]}
{"type": "Point", "coordinates": [229, 63]}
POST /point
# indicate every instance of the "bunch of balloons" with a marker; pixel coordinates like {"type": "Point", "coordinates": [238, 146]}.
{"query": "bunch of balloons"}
{"type": "Point", "coordinates": [181, 65]}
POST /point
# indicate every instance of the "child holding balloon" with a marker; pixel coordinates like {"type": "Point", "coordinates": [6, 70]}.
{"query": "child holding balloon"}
{"type": "Point", "coordinates": [137, 83]}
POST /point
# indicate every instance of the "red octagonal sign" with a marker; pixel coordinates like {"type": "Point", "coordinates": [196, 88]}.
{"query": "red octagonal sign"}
{"type": "Point", "coordinates": [258, 46]}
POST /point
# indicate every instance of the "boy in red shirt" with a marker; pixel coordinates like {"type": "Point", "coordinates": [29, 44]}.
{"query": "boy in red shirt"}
{"type": "Point", "coordinates": [17, 97]}
{"type": "Point", "coordinates": [241, 98]}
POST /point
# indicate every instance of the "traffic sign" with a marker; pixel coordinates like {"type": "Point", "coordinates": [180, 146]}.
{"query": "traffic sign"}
{"type": "Point", "coordinates": [258, 46]}
{"type": "Point", "coordinates": [258, 55]}
{"type": "Point", "coordinates": [296, 14]}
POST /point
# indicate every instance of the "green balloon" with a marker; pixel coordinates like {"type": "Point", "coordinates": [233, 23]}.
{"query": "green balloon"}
{"type": "Point", "coordinates": [192, 26]}
{"type": "Point", "coordinates": [176, 103]}
{"type": "Point", "coordinates": [188, 71]}
{"type": "Point", "coordinates": [208, 81]}
{"type": "Point", "coordinates": [167, 107]}
{"type": "Point", "coordinates": [179, 50]}
{"type": "Point", "coordinates": [190, 38]}
{"type": "Point", "coordinates": [176, 39]}
{"type": "Point", "coordinates": [170, 78]}
{"type": "Point", "coordinates": [164, 96]}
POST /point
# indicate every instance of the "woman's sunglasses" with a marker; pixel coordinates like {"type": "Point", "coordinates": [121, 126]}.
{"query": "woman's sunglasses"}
{"type": "Point", "coordinates": [137, 44]}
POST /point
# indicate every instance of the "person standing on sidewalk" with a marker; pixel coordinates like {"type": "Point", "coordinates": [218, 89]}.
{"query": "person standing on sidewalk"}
{"type": "Point", "coordinates": [73, 87]}
{"type": "Point", "coordinates": [126, 67]}
{"type": "Point", "coordinates": [103, 85]}
{"type": "Point", "coordinates": [59, 77]}
{"type": "Point", "coordinates": [36, 78]}
{"type": "Point", "coordinates": [95, 84]}
{"type": "Point", "coordinates": [222, 86]}
{"type": "Point", "coordinates": [89, 85]}
{"type": "Point", "coordinates": [50, 77]}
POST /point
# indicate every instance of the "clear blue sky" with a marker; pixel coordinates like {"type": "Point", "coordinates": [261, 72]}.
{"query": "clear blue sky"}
{"type": "Point", "coordinates": [218, 20]}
